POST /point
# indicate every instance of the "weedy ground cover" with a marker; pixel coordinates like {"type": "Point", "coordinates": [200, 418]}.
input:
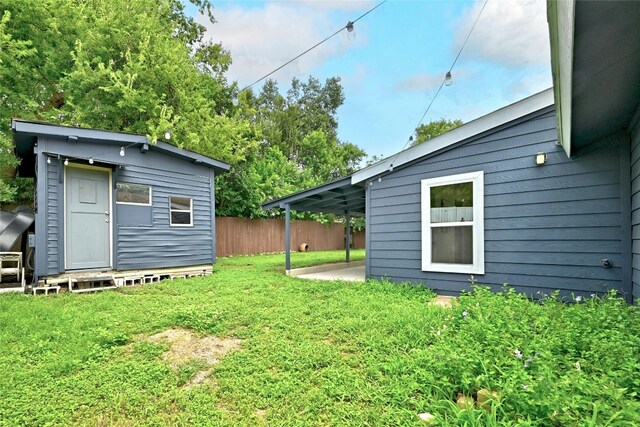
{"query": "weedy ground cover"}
{"type": "Point", "coordinates": [314, 353]}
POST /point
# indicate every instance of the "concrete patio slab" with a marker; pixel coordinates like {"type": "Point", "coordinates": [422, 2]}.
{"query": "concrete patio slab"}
{"type": "Point", "coordinates": [352, 272]}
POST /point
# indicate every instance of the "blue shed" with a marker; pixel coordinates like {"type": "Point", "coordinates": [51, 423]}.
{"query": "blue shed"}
{"type": "Point", "coordinates": [109, 201]}
{"type": "Point", "coordinates": [543, 194]}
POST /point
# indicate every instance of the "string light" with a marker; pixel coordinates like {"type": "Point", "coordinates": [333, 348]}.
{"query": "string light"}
{"type": "Point", "coordinates": [448, 81]}
{"type": "Point", "coordinates": [66, 162]}
{"type": "Point", "coordinates": [234, 100]}
{"type": "Point", "coordinates": [167, 135]}
{"type": "Point", "coordinates": [350, 30]}
{"type": "Point", "coordinates": [90, 160]}
{"type": "Point", "coordinates": [48, 160]}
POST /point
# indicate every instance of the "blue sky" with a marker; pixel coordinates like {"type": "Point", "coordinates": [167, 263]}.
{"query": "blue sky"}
{"type": "Point", "coordinates": [397, 60]}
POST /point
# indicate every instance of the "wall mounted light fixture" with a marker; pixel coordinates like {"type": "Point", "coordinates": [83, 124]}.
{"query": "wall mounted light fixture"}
{"type": "Point", "coordinates": [541, 158]}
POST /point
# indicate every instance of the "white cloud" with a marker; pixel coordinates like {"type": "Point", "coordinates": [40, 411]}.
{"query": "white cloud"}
{"type": "Point", "coordinates": [263, 38]}
{"type": "Point", "coordinates": [419, 82]}
{"type": "Point", "coordinates": [338, 4]}
{"type": "Point", "coordinates": [529, 84]}
{"type": "Point", "coordinates": [512, 33]}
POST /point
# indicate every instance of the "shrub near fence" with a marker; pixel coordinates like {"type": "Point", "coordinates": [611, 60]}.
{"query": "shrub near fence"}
{"type": "Point", "coordinates": [244, 236]}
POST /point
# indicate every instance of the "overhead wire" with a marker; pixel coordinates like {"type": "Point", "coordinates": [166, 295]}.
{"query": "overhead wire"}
{"type": "Point", "coordinates": [447, 75]}
{"type": "Point", "coordinates": [346, 27]}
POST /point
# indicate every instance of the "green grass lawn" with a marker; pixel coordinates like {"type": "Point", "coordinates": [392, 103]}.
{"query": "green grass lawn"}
{"type": "Point", "coordinates": [315, 353]}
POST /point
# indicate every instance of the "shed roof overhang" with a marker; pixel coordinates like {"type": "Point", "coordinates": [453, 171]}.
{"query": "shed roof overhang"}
{"type": "Point", "coordinates": [595, 61]}
{"type": "Point", "coordinates": [25, 134]}
{"type": "Point", "coordinates": [336, 197]}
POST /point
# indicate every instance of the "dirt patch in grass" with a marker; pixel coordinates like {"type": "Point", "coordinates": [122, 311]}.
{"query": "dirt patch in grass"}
{"type": "Point", "coordinates": [185, 346]}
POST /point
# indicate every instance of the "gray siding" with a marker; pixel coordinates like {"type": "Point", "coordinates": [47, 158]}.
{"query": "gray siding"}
{"type": "Point", "coordinates": [161, 245]}
{"type": "Point", "coordinates": [142, 236]}
{"type": "Point", "coordinates": [546, 227]}
{"type": "Point", "coordinates": [635, 206]}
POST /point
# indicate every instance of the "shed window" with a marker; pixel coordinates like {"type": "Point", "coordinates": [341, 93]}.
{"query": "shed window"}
{"type": "Point", "coordinates": [453, 224]}
{"type": "Point", "coordinates": [181, 211]}
{"type": "Point", "coordinates": [133, 194]}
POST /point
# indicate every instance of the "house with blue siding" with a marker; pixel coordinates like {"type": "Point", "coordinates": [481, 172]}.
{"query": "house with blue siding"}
{"type": "Point", "coordinates": [108, 201]}
{"type": "Point", "coordinates": [543, 194]}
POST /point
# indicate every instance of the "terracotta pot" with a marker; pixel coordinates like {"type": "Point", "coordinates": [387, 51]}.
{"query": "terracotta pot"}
{"type": "Point", "coordinates": [304, 247]}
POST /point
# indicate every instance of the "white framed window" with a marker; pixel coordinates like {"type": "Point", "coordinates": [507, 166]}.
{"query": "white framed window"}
{"type": "Point", "coordinates": [453, 223]}
{"type": "Point", "coordinates": [180, 211]}
{"type": "Point", "coordinates": [133, 194]}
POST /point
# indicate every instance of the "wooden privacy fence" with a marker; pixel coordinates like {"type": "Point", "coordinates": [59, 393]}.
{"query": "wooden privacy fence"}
{"type": "Point", "coordinates": [243, 236]}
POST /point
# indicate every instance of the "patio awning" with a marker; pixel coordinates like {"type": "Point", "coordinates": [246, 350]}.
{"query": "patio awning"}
{"type": "Point", "coordinates": [336, 197]}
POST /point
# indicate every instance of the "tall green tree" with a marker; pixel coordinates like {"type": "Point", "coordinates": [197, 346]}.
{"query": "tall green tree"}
{"type": "Point", "coordinates": [299, 145]}
{"type": "Point", "coordinates": [304, 126]}
{"type": "Point", "coordinates": [144, 66]}
{"type": "Point", "coordinates": [434, 128]}
{"type": "Point", "coordinates": [137, 66]}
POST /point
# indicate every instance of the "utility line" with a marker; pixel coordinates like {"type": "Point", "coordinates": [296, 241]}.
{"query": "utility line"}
{"type": "Point", "coordinates": [447, 76]}
{"type": "Point", "coordinates": [348, 26]}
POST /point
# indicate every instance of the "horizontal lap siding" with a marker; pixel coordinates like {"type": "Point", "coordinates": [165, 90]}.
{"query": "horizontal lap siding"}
{"type": "Point", "coordinates": [635, 209]}
{"type": "Point", "coordinates": [161, 245]}
{"type": "Point", "coordinates": [546, 227]}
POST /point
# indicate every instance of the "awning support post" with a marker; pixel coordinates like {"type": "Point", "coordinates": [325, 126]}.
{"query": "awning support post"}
{"type": "Point", "coordinates": [287, 235]}
{"type": "Point", "coordinates": [348, 230]}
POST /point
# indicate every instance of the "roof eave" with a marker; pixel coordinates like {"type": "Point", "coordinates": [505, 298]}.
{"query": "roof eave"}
{"type": "Point", "coordinates": [561, 20]}
{"type": "Point", "coordinates": [48, 129]}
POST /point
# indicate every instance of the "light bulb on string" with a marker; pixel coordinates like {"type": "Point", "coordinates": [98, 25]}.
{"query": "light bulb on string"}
{"type": "Point", "coordinates": [66, 162]}
{"type": "Point", "coordinates": [351, 32]}
{"type": "Point", "coordinates": [234, 100]}
{"type": "Point", "coordinates": [121, 151]}
{"type": "Point", "coordinates": [167, 135]}
{"type": "Point", "coordinates": [448, 80]}
{"type": "Point", "coordinates": [90, 160]}
{"type": "Point", "coordinates": [48, 160]}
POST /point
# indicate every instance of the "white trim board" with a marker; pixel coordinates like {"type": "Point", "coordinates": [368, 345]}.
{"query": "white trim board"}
{"type": "Point", "coordinates": [475, 127]}
{"type": "Point", "coordinates": [561, 19]}
{"type": "Point", "coordinates": [477, 266]}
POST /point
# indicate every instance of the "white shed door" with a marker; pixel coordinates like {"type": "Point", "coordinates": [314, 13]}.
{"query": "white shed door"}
{"type": "Point", "coordinates": [88, 222]}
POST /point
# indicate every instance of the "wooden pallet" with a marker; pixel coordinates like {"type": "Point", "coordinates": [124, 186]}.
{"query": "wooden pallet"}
{"type": "Point", "coordinates": [88, 281]}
